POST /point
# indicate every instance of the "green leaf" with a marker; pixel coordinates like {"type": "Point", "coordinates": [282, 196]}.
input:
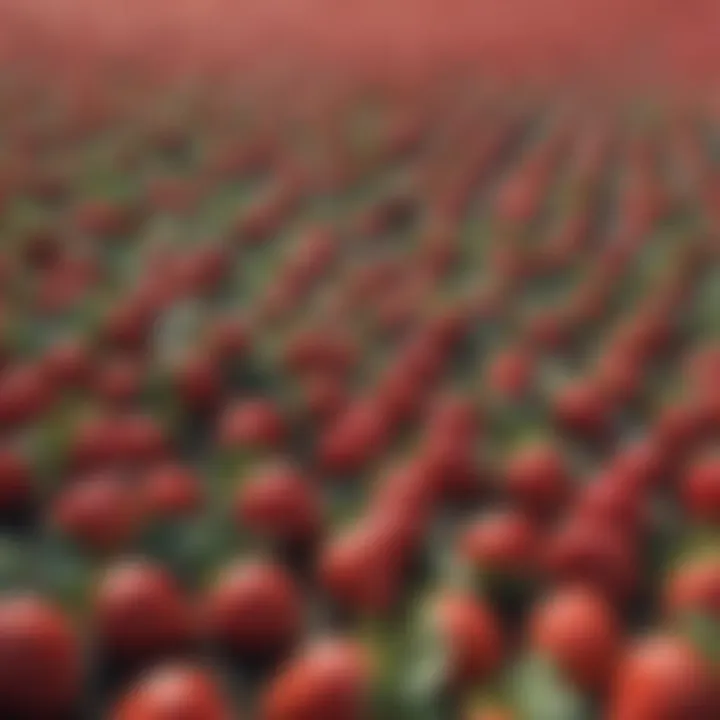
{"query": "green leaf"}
{"type": "Point", "coordinates": [703, 630]}
{"type": "Point", "coordinates": [540, 693]}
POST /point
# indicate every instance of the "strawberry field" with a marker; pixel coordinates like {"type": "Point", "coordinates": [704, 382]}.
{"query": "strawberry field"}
{"type": "Point", "coordinates": [381, 392]}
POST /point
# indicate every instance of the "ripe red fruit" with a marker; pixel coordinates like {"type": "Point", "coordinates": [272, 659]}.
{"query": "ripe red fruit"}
{"type": "Point", "coordinates": [586, 552]}
{"type": "Point", "coordinates": [324, 398]}
{"type": "Point", "coordinates": [701, 490]}
{"type": "Point", "coordinates": [620, 377]}
{"type": "Point", "coordinates": [607, 501]}
{"type": "Point", "coordinates": [510, 373]}
{"type": "Point", "coordinates": [100, 512]}
{"type": "Point", "coordinates": [582, 407]}
{"type": "Point", "coordinates": [359, 434]}
{"type": "Point", "coordinates": [127, 326]}
{"type": "Point", "coordinates": [203, 269]}
{"type": "Point", "coordinates": [491, 714]}
{"type": "Point", "coordinates": [118, 380]}
{"type": "Point", "coordinates": [280, 504]}
{"type": "Point", "coordinates": [456, 416]}
{"type": "Point", "coordinates": [702, 368]}
{"type": "Point", "coordinates": [254, 609]}
{"type": "Point", "coordinates": [174, 691]}
{"type": "Point", "coordinates": [252, 424]}
{"type": "Point", "coordinates": [451, 461]}
{"type": "Point", "coordinates": [95, 443]}
{"type": "Point", "coordinates": [198, 381]}
{"type": "Point", "coordinates": [103, 218]}
{"type": "Point", "coordinates": [677, 429]}
{"type": "Point", "coordinates": [140, 613]}
{"type": "Point", "coordinates": [538, 478]}
{"type": "Point", "coordinates": [16, 487]}
{"type": "Point", "coordinates": [404, 496]}
{"type": "Point", "coordinates": [361, 568]}
{"type": "Point", "coordinates": [67, 364]}
{"type": "Point", "coordinates": [578, 630]}
{"type": "Point", "coordinates": [40, 660]}
{"type": "Point", "coordinates": [228, 338]}
{"type": "Point", "coordinates": [694, 587]}
{"type": "Point", "coordinates": [328, 681]}
{"type": "Point", "coordinates": [24, 393]}
{"type": "Point", "coordinates": [503, 542]}
{"type": "Point", "coordinates": [171, 490]}
{"type": "Point", "coordinates": [639, 465]}
{"type": "Point", "coordinates": [141, 438]}
{"type": "Point", "coordinates": [662, 678]}
{"type": "Point", "coordinates": [471, 636]}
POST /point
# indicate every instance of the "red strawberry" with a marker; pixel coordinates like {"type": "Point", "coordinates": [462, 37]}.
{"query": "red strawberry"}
{"type": "Point", "coordinates": [174, 691]}
{"type": "Point", "coordinates": [701, 490]}
{"type": "Point", "coordinates": [99, 512]}
{"type": "Point", "coordinates": [662, 678]}
{"type": "Point", "coordinates": [578, 630]}
{"type": "Point", "coordinates": [279, 503]}
{"type": "Point", "coordinates": [253, 424]}
{"type": "Point", "coordinates": [38, 651]}
{"type": "Point", "coordinates": [538, 478]}
{"type": "Point", "coordinates": [329, 680]}
{"type": "Point", "coordinates": [471, 636]}
{"type": "Point", "coordinates": [254, 609]}
{"type": "Point", "coordinates": [140, 612]}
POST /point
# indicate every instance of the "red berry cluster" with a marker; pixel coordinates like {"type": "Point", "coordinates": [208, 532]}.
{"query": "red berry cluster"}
{"type": "Point", "coordinates": [409, 411]}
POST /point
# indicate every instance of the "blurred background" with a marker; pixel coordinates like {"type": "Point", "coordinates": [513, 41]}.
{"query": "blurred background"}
{"type": "Point", "coordinates": [359, 360]}
{"type": "Point", "coordinates": [655, 43]}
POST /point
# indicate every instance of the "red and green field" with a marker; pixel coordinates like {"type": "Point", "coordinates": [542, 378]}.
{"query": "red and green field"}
{"type": "Point", "coordinates": [347, 383]}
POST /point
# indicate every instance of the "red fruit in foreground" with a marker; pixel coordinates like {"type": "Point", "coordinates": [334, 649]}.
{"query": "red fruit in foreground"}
{"type": "Point", "coordinates": [405, 497]}
{"type": "Point", "coordinates": [361, 568]}
{"type": "Point", "coordinates": [118, 381]}
{"type": "Point", "coordinates": [358, 435]}
{"type": "Point", "coordinates": [16, 489]}
{"type": "Point", "coordinates": [701, 490]}
{"type": "Point", "coordinates": [140, 612]}
{"type": "Point", "coordinates": [171, 490]}
{"type": "Point", "coordinates": [455, 416]}
{"type": "Point", "coordinates": [578, 630]}
{"type": "Point", "coordinates": [40, 661]}
{"type": "Point", "coordinates": [662, 678]}
{"type": "Point", "coordinates": [180, 692]}
{"type": "Point", "coordinates": [198, 381]}
{"type": "Point", "coordinates": [510, 373]}
{"type": "Point", "coordinates": [504, 542]}
{"type": "Point", "coordinates": [324, 398]}
{"type": "Point", "coordinates": [280, 504]}
{"type": "Point", "coordinates": [24, 393]}
{"type": "Point", "coordinates": [694, 587]}
{"type": "Point", "coordinates": [471, 636]}
{"type": "Point", "coordinates": [638, 466]}
{"type": "Point", "coordinates": [253, 424]}
{"type": "Point", "coordinates": [592, 553]}
{"type": "Point", "coordinates": [452, 464]}
{"type": "Point", "coordinates": [142, 438]}
{"type": "Point", "coordinates": [677, 430]}
{"type": "Point", "coordinates": [96, 443]}
{"type": "Point", "coordinates": [491, 714]}
{"type": "Point", "coordinates": [538, 478]}
{"type": "Point", "coordinates": [254, 609]}
{"type": "Point", "coordinates": [583, 408]}
{"type": "Point", "coordinates": [99, 512]}
{"type": "Point", "coordinates": [228, 338]}
{"type": "Point", "coordinates": [103, 218]}
{"type": "Point", "coordinates": [607, 501]}
{"type": "Point", "coordinates": [67, 363]}
{"type": "Point", "coordinates": [328, 681]}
